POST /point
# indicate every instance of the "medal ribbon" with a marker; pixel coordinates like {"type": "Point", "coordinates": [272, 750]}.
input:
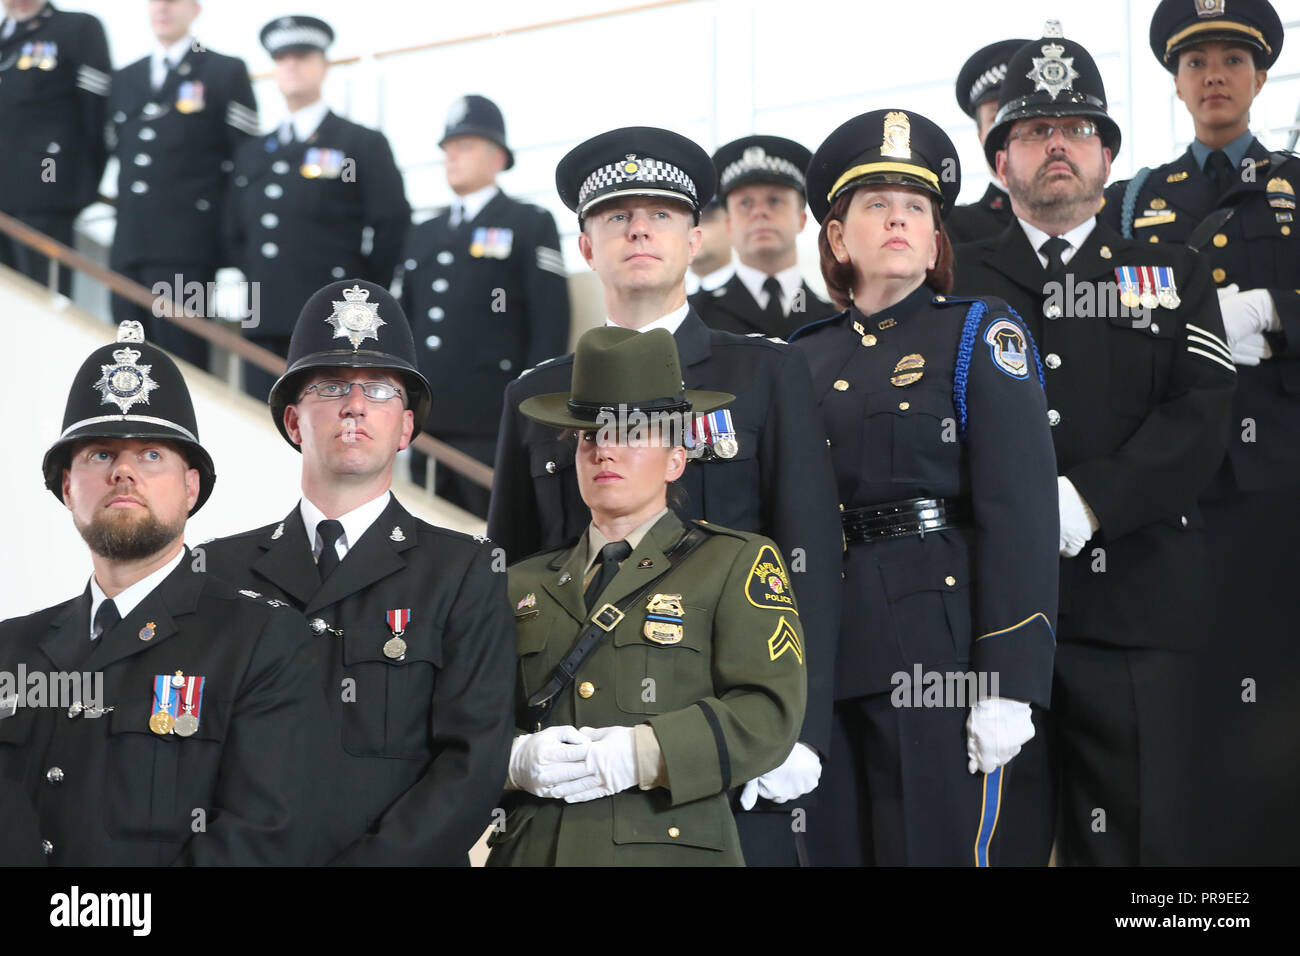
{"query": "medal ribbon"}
{"type": "Point", "coordinates": [1166, 276]}
{"type": "Point", "coordinates": [193, 690]}
{"type": "Point", "coordinates": [163, 701]}
{"type": "Point", "coordinates": [1148, 280]}
{"type": "Point", "coordinates": [398, 618]}
{"type": "Point", "coordinates": [720, 422]}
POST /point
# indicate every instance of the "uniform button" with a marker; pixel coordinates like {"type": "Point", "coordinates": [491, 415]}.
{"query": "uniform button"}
{"type": "Point", "coordinates": [150, 109]}
{"type": "Point", "coordinates": [274, 191]}
{"type": "Point", "coordinates": [142, 159]}
{"type": "Point", "coordinates": [868, 340]}
{"type": "Point", "coordinates": [1053, 360]}
{"type": "Point", "coordinates": [950, 581]}
{"type": "Point", "coordinates": [828, 443]}
{"type": "Point", "coordinates": [1220, 240]}
{"type": "Point", "coordinates": [410, 265]}
{"type": "Point", "coordinates": [47, 847]}
{"type": "Point", "coordinates": [904, 406]}
{"type": "Point", "coordinates": [1219, 275]}
{"type": "Point", "coordinates": [436, 314]}
{"type": "Point", "coordinates": [54, 775]}
{"type": "Point", "coordinates": [139, 187]}
{"type": "Point", "coordinates": [241, 180]}
{"type": "Point", "coordinates": [202, 205]}
{"type": "Point", "coordinates": [1155, 238]}
{"type": "Point", "coordinates": [1053, 311]}
{"type": "Point", "coordinates": [1286, 230]}
{"type": "Point", "coordinates": [148, 133]}
{"type": "Point", "coordinates": [270, 250]}
{"type": "Point", "coordinates": [76, 709]}
{"type": "Point", "coordinates": [505, 365]}
{"type": "Point", "coordinates": [586, 689]}
{"type": "Point", "coordinates": [1053, 417]}
{"type": "Point", "coordinates": [550, 467]}
{"type": "Point", "coordinates": [119, 117]}
{"type": "Point", "coordinates": [674, 832]}
{"type": "Point", "coordinates": [445, 258]}
{"type": "Point", "coordinates": [227, 165]}
{"type": "Point", "coordinates": [433, 342]}
{"type": "Point", "coordinates": [279, 167]}
{"type": "Point", "coordinates": [1182, 519]}
{"type": "Point", "coordinates": [841, 385]}
{"type": "Point", "coordinates": [1155, 329]}
{"type": "Point", "coordinates": [270, 220]}
{"type": "Point", "coordinates": [440, 285]}
{"type": "Point", "coordinates": [841, 506]}
{"type": "Point", "coordinates": [337, 272]}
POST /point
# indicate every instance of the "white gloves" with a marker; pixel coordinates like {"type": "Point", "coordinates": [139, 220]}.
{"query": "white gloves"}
{"type": "Point", "coordinates": [1246, 317]}
{"type": "Point", "coordinates": [541, 762]}
{"type": "Point", "coordinates": [799, 774]}
{"type": "Point", "coordinates": [1077, 520]}
{"type": "Point", "coordinates": [995, 731]}
{"type": "Point", "coordinates": [610, 766]}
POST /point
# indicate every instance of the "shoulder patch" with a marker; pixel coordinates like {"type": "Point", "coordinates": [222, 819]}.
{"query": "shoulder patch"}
{"type": "Point", "coordinates": [768, 585]}
{"type": "Point", "coordinates": [1007, 347]}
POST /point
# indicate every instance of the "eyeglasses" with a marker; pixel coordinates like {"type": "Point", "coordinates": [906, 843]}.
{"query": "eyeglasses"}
{"type": "Point", "coordinates": [334, 389]}
{"type": "Point", "coordinates": [1038, 132]}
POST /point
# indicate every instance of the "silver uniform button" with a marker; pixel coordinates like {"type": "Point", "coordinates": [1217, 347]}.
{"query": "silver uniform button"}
{"type": "Point", "coordinates": [279, 167]}
{"type": "Point", "coordinates": [119, 117]}
{"type": "Point", "coordinates": [318, 626]}
{"type": "Point", "coordinates": [337, 272]}
{"type": "Point", "coordinates": [274, 191]}
{"type": "Point", "coordinates": [433, 342]}
{"type": "Point", "coordinates": [1053, 311]}
{"type": "Point", "coordinates": [142, 159]}
{"type": "Point", "coordinates": [445, 258]}
{"type": "Point", "coordinates": [505, 365]}
{"type": "Point", "coordinates": [270, 220]}
{"type": "Point", "coordinates": [270, 250]}
{"type": "Point", "coordinates": [139, 187]}
{"type": "Point", "coordinates": [151, 109]}
{"type": "Point", "coordinates": [202, 205]}
{"type": "Point", "coordinates": [1053, 360]}
{"type": "Point", "coordinates": [148, 133]}
{"type": "Point", "coordinates": [410, 265]}
{"type": "Point", "coordinates": [241, 180]}
{"type": "Point", "coordinates": [1182, 519]}
{"type": "Point", "coordinates": [550, 467]}
{"type": "Point", "coordinates": [227, 165]}
{"type": "Point", "coordinates": [436, 314]}
{"type": "Point", "coordinates": [54, 775]}
{"type": "Point", "coordinates": [52, 148]}
{"type": "Point", "coordinates": [47, 847]}
{"type": "Point", "coordinates": [1053, 417]}
{"type": "Point", "coordinates": [1155, 329]}
{"type": "Point", "coordinates": [440, 285]}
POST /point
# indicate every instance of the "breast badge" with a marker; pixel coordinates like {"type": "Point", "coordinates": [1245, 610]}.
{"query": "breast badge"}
{"type": "Point", "coordinates": [664, 619]}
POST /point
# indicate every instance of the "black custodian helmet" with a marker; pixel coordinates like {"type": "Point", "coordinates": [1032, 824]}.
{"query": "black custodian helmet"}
{"type": "Point", "coordinates": [351, 323]}
{"type": "Point", "coordinates": [129, 389]}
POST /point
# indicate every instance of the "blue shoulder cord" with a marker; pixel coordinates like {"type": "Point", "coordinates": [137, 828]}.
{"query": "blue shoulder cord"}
{"type": "Point", "coordinates": [1129, 207]}
{"type": "Point", "coordinates": [961, 374]}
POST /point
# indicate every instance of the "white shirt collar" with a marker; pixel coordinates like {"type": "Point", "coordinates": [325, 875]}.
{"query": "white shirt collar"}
{"type": "Point", "coordinates": [130, 598]}
{"type": "Point", "coordinates": [1075, 237]}
{"type": "Point", "coordinates": [306, 120]}
{"type": "Point", "coordinates": [672, 321]}
{"type": "Point", "coordinates": [709, 282]}
{"type": "Point", "coordinates": [791, 280]}
{"type": "Point", "coordinates": [355, 523]}
{"type": "Point", "coordinates": [162, 57]}
{"type": "Point", "coordinates": [475, 201]}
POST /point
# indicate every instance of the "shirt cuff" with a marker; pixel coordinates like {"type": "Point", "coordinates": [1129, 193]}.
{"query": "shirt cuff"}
{"type": "Point", "coordinates": [651, 770]}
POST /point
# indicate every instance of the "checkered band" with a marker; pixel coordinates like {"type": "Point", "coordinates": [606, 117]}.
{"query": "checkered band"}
{"type": "Point", "coordinates": [633, 169]}
{"type": "Point", "coordinates": [992, 77]}
{"type": "Point", "coordinates": [282, 37]}
{"type": "Point", "coordinates": [766, 163]}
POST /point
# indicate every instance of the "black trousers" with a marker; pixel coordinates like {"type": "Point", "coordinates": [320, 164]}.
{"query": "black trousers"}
{"type": "Point", "coordinates": [16, 255]}
{"type": "Point", "coordinates": [452, 485]}
{"type": "Point", "coordinates": [1124, 736]}
{"type": "Point", "coordinates": [775, 834]}
{"type": "Point", "coordinates": [160, 332]}
{"type": "Point", "coordinates": [895, 791]}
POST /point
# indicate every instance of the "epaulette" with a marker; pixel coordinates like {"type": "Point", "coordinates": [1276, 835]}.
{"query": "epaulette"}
{"type": "Point", "coordinates": [814, 324]}
{"type": "Point", "coordinates": [704, 525]}
{"type": "Point", "coordinates": [770, 338]}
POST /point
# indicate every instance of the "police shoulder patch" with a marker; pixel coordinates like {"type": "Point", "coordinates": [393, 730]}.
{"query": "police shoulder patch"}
{"type": "Point", "coordinates": [768, 585]}
{"type": "Point", "coordinates": [1007, 347]}
{"type": "Point", "coordinates": [783, 639]}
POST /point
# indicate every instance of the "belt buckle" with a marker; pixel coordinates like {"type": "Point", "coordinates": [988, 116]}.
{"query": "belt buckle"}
{"type": "Point", "coordinates": [605, 611]}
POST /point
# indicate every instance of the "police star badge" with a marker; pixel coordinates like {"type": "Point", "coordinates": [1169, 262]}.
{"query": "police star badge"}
{"type": "Point", "coordinates": [354, 318]}
{"type": "Point", "coordinates": [1052, 71]}
{"type": "Point", "coordinates": [125, 383]}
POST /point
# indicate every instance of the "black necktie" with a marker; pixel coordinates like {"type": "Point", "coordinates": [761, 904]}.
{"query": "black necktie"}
{"type": "Point", "coordinates": [773, 289]}
{"type": "Point", "coordinates": [1219, 171]}
{"type": "Point", "coordinates": [330, 531]}
{"type": "Point", "coordinates": [106, 618]}
{"type": "Point", "coordinates": [1054, 248]}
{"type": "Point", "coordinates": [610, 556]}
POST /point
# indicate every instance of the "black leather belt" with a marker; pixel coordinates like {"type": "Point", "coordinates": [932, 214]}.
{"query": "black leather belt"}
{"type": "Point", "coordinates": [899, 519]}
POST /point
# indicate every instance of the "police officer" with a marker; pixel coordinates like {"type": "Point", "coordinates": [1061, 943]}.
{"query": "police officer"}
{"type": "Point", "coordinates": [305, 197]}
{"type": "Point", "coordinates": [711, 266]}
{"type": "Point", "coordinates": [660, 662]}
{"type": "Point", "coordinates": [203, 743]}
{"type": "Point", "coordinates": [485, 285]}
{"type": "Point", "coordinates": [978, 84]}
{"type": "Point", "coordinates": [177, 117]}
{"type": "Point", "coordinates": [760, 465]}
{"type": "Point", "coordinates": [54, 80]}
{"type": "Point", "coordinates": [761, 186]}
{"type": "Point", "coordinates": [949, 537]}
{"type": "Point", "coordinates": [1139, 383]}
{"type": "Point", "coordinates": [1234, 200]}
{"type": "Point", "coordinates": [412, 625]}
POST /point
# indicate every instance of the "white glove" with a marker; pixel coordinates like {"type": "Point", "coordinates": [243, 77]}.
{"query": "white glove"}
{"type": "Point", "coordinates": [799, 774]}
{"type": "Point", "coordinates": [995, 731]}
{"type": "Point", "coordinates": [1077, 520]}
{"type": "Point", "coordinates": [610, 766]}
{"type": "Point", "coordinates": [541, 761]}
{"type": "Point", "coordinates": [1251, 349]}
{"type": "Point", "coordinates": [1247, 314]}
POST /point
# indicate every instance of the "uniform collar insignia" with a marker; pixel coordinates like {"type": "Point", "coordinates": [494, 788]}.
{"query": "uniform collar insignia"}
{"type": "Point", "coordinates": [396, 533]}
{"type": "Point", "coordinates": [355, 319]}
{"type": "Point", "coordinates": [279, 530]}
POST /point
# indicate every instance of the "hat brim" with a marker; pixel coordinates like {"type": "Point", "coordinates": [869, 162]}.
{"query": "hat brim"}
{"type": "Point", "coordinates": [553, 408]}
{"type": "Point", "coordinates": [482, 132]}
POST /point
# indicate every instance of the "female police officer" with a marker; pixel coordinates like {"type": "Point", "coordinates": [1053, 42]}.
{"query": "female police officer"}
{"type": "Point", "coordinates": [660, 664]}
{"type": "Point", "coordinates": [939, 435]}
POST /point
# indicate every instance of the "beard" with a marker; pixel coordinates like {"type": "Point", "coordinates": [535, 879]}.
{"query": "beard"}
{"type": "Point", "coordinates": [1043, 197]}
{"type": "Point", "coordinates": [121, 536]}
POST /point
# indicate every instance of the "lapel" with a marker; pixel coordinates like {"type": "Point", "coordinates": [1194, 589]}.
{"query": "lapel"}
{"type": "Point", "coordinates": [994, 199]}
{"type": "Point", "coordinates": [741, 304]}
{"type": "Point", "coordinates": [631, 575]}
{"type": "Point", "coordinates": [490, 209]}
{"type": "Point", "coordinates": [287, 562]}
{"type": "Point", "coordinates": [1262, 174]}
{"type": "Point", "coordinates": [692, 341]}
{"type": "Point", "coordinates": [1015, 258]}
{"type": "Point", "coordinates": [62, 642]}
{"type": "Point", "coordinates": [329, 126]}
{"type": "Point", "coordinates": [1087, 263]}
{"type": "Point", "coordinates": [176, 596]}
{"type": "Point", "coordinates": [371, 559]}
{"type": "Point", "coordinates": [567, 567]}
{"type": "Point", "coordinates": [1192, 195]}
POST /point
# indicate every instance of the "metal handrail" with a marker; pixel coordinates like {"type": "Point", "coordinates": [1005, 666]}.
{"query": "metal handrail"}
{"type": "Point", "coordinates": [212, 332]}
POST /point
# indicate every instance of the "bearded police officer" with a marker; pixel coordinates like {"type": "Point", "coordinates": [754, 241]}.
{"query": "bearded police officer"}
{"type": "Point", "coordinates": [761, 187]}
{"type": "Point", "coordinates": [978, 84]}
{"type": "Point", "coordinates": [54, 79]}
{"type": "Point", "coordinates": [204, 743]}
{"type": "Point", "coordinates": [1138, 383]}
{"type": "Point", "coordinates": [411, 620]}
{"type": "Point", "coordinates": [1232, 199]}
{"type": "Point", "coordinates": [759, 466]}
{"type": "Point", "coordinates": [485, 286]}
{"type": "Point", "coordinates": [177, 117]}
{"type": "Point", "coordinates": [318, 199]}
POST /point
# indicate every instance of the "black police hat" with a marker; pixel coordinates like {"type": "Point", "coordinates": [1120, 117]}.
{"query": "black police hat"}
{"type": "Point", "coordinates": [475, 115]}
{"type": "Point", "coordinates": [296, 34]}
{"type": "Point", "coordinates": [637, 161]}
{"type": "Point", "coordinates": [333, 330]}
{"type": "Point", "coordinates": [1051, 76]}
{"type": "Point", "coordinates": [884, 147]}
{"type": "Point", "coordinates": [1178, 24]}
{"type": "Point", "coordinates": [981, 76]}
{"type": "Point", "coordinates": [760, 159]}
{"type": "Point", "coordinates": [129, 390]}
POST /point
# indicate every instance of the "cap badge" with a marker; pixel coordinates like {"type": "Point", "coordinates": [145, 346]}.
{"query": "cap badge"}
{"type": "Point", "coordinates": [125, 383]}
{"type": "Point", "coordinates": [1209, 8]}
{"type": "Point", "coordinates": [897, 136]}
{"type": "Point", "coordinates": [355, 319]}
{"type": "Point", "coordinates": [754, 154]}
{"type": "Point", "coordinates": [631, 166]}
{"type": "Point", "coordinates": [458, 111]}
{"type": "Point", "coordinates": [1052, 71]}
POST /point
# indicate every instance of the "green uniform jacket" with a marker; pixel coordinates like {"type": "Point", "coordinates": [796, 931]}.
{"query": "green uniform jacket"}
{"type": "Point", "coordinates": [726, 700]}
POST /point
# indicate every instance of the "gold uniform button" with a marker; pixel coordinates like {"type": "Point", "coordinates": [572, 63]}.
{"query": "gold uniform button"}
{"type": "Point", "coordinates": [1286, 230]}
{"type": "Point", "coordinates": [1155, 238]}
{"type": "Point", "coordinates": [1220, 240]}
{"type": "Point", "coordinates": [1219, 275]}
{"type": "Point", "coordinates": [841, 385]}
{"type": "Point", "coordinates": [904, 405]}
{"type": "Point", "coordinates": [674, 832]}
{"type": "Point", "coordinates": [586, 689]}
{"type": "Point", "coordinates": [868, 340]}
{"type": "Point", "coordinates": [950, 581]}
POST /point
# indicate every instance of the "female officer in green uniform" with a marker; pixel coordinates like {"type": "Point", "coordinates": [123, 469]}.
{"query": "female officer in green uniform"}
{"type": "Point", "coordinates": [939, 437]}
{"type": "Point", "coordinates": [660, 663]}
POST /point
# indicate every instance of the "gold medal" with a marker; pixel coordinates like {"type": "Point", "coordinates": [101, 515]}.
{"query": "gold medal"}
{"type": "Point", "coordinates": [161, 723]}
{"type": "Point", "coordinates": [395, 648]}
{"type": "Point", "coordinates": [25, 62]}
{"type": "Point", "coordinates": [1129, 299]}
